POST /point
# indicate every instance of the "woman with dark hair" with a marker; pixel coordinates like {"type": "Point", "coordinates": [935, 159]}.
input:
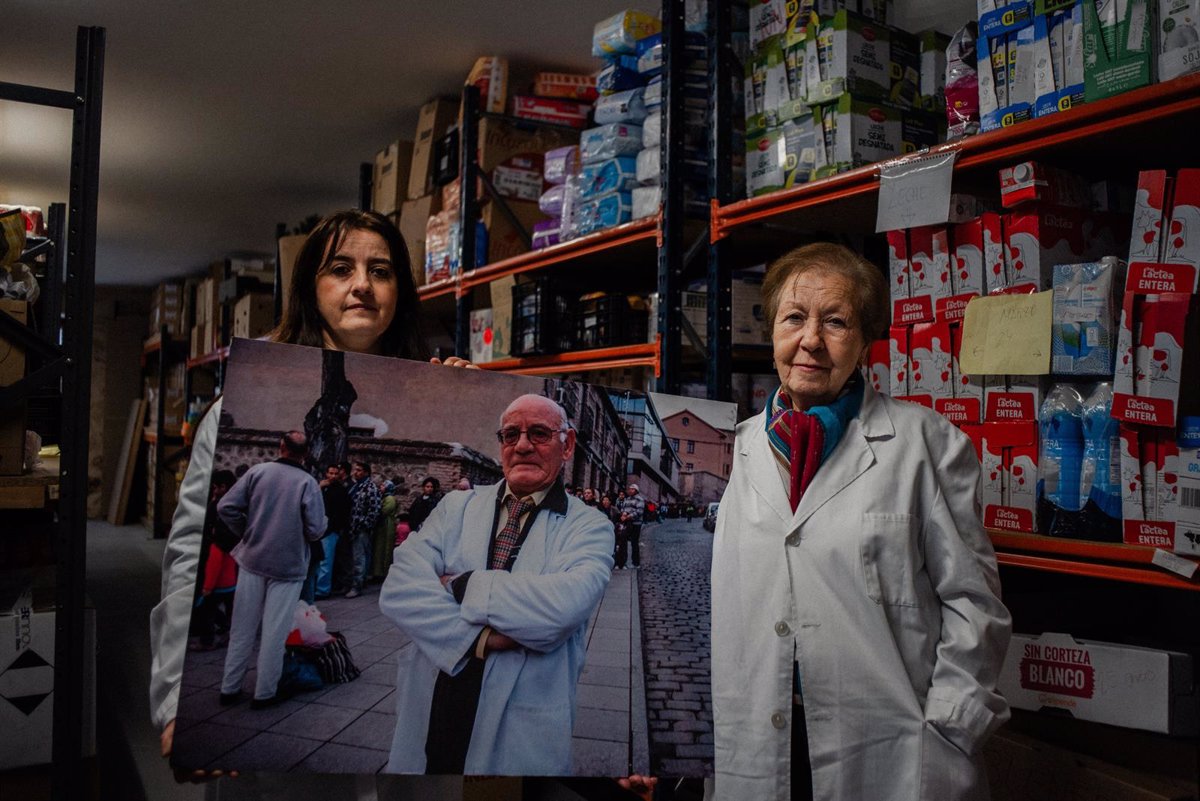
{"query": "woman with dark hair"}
{"type": "Point", "coordinates": [352, 290]}
{"type": "Point", "coordinates": [424, 503]}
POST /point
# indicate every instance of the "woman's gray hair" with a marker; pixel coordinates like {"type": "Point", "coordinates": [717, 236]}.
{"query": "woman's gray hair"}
{"type": "Point", "coordinates": [868, 289]}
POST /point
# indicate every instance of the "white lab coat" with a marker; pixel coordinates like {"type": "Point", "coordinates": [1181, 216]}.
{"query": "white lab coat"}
{"type": "Point", "coordinates": [527, 704]}
{"type": "Point", "coordinates": [883, 586]}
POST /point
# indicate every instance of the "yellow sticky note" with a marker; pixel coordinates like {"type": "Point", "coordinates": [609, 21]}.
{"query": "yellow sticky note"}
{"type": "Point", "coordinates": [1007, 335]}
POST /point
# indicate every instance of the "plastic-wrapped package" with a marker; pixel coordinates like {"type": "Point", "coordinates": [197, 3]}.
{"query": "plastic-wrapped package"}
{"type": "Point", "coordinates": [1084, 326]}
{"type": "Point", "coordinates": [645, 201]}
{"type": "Point", "coordinates": [650, 55]}
{"type": "Point", "coordinates": [559, 163]}
{"type": "Point", "coordinates": [617, 78]}
{"type": "Point", "coordinates": [652, 130]}
{"type": "Point", "coordinates": [620, 33]}
{"type": "Point", "coordinates": [604, 212]}
{"type": "Point", "coordinates": [649, 166]}
{"type": "Point", "coordinates": [1060, 464]}
{"type": "Point", "coordinates": [962, 84]}
{"type": "Point", "coordinates": [546, 232]}
{"type": "Point", "coordinates": [653, 96]}
{"type": "Point", "coordinates": [609, 141]}
{"type": "Point", "coordinates": [1101, 475]}
{"type": "Point", "coordinates": [569, 229]}
{"type": "Point", "coordinates": [611, 175]}
{"type": "Point", "coordinates": [551, 201]}
{"type": "Point", "coordinates": [627, 106]}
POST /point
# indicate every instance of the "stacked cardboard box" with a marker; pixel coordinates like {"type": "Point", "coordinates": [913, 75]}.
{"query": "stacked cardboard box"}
{"type": "Point", "coordinates": [168, 307]}
{"type": "Point", "coordinates": [12, 370]}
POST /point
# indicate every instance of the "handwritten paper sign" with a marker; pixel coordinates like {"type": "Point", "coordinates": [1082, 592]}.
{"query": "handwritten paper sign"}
{"type": "Point", "coordinates": [1007, 335]}
{"type": "Point", "coordinates": [914, 192]}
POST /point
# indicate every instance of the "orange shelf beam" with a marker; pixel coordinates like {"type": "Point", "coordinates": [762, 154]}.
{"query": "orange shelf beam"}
{"type": "Point", "coordinates": [218, 355]}
{"type": "Point", "coordinates": [637, 231]}
{"type": "Point", "coordinates": [1084, 549]}
{"type": "Point", "coordinates": [648, 355]}
{"type": "Point", "coordinates": [1132, 575]}
{"type": "Point", "coordinates": [1157, 103]}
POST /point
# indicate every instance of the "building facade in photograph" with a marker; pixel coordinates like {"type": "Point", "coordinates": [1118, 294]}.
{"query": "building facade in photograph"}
{"type": "Point", "coordinates": [653, 463]}
{"type": "Point", "coordinates": [706, 455]}
{"type": "Point", "coordinates": [601, 441]}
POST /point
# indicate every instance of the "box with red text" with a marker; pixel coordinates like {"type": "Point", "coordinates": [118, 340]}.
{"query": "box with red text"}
{"type": "Point", "coordinates": [967, 404]}
{"type": "Point", "coordinates": [898, 359]}
{"type": "Point", "coordinates": [1122, 685]}
{"type": "Point", "coordinates": [929, 361]}
{"type": "Point", "coordinates": [1010, 461]}
{"type": "Point", "coordinates": [1038, 238]}
{"type": "Point", "coordinates": [898, 272]}
{"type": "Point", "coordinates": [928, 275]}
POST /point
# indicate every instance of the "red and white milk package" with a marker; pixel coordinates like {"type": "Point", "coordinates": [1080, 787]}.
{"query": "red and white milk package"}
{"type": "Point", "coordinates": [1009, 460]}
{"type": "Point", "coordinates": [1149, 486]}
{"type": "Point", "coordinates": [966, 275]}
{"type": "Point", "coordinates": [879, 366]}
{"type": "Point", "coordinates": [929, 272]}
{"type": "Point", "coordinates": [930, 372]}
{"type": "Point", "coordinates": [966, 406]}
{"type": "Point", "coordinates": [898, 273]}
{"type": "Point", "coordinates": [994, 276]}
{"type": "Point", "coordinates": [1149, 205]}
{"type": "Point", "coordinates": [1150, 353]}
{"type": "Point", "coordinates": [1181, 244]}
{"type": "Point", "coordinates": [1040, 237]}
{"type": "Point", "coordinates": [898, 360]}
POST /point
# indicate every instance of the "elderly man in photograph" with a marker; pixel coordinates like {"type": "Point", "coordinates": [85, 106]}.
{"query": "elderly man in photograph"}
{"type": "Point", "coordinates": [276, 509]}
{"type": "Point", "coordinates": [494, 594]}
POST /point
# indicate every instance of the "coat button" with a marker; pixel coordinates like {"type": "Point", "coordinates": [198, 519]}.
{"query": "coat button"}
{"type": "Point", "coordinates": [782, 629]}
{"type": "Point", "coordinates": [793, 539]}
{"type": "Point", "coordinates": [779, 720]}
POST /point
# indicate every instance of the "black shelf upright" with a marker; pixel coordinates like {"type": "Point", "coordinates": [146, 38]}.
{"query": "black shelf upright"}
{"type": "Point", "coordinates": [720, 189]}
{"type": "Point", "coordinates": [66, 348]}
{"type": "Point", "coordinates": [671, 245]}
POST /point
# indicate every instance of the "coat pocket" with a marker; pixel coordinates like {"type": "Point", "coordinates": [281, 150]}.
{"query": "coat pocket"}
{"type": "Point", "coordinates": [889, 558]}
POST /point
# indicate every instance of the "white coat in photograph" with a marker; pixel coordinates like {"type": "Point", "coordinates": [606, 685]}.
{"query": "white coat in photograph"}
{"type": "Point", "coordinates": [883, 587]}
{"type": "Point", "coordinates": [526, 711]}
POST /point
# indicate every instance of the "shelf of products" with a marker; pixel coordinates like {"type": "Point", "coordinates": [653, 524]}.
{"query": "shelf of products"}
{"type": "Point", "coordinates": [217, 356]}
{"type": "Point", "coordinates": [648, 355]}
{"type": "Point", "coordinates": [1106, 560]}
{"type": "Point", "coordinates": [1117, 128]}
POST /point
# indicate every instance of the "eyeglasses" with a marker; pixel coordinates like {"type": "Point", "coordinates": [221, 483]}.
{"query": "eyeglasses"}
{"type": "Point", "coordinates": [538, 435]}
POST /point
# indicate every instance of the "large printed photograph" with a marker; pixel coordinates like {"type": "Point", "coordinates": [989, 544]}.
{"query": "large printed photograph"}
{"type": "Point", "coordinates": [416, 570]}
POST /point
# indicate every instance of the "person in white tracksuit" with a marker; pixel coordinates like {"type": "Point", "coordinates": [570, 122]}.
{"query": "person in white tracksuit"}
{"type": "Point", "coordinates": [857, 629]}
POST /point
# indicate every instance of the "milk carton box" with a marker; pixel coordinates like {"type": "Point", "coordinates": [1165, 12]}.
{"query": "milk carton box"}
{"type": "Point", "coordinates": [1154, 328]}
{"type": "Point", "coordinates": [1166, 499]}
{"type": "Point", "coordinates": [1133, 505]}
{"type": "Point", "coordinates": [1009, 454]}
{"type": "Point", "coordinates": [992, 465]}
{"type": "Point", "coordinates": [879, 365]}
{"type": "Point", "coordinates": [929, 273]}
{"type": "Point", "coordinates": [967, 404]}
{"type": "Point", "coordinates": [898, 271]}
{"type": "Point", "coordinates": [1021, 479]}
{"type": "Point", "coordinates": [1182, 242]}
{"type": "Point", "coordinates": [966, 271]}
{"type": "Point", "coordinates": [1145, 241]}
{"type": "Point", "coordinates": [898, 350]}
{"type": "Point", "coordinates": [994, 275]}
{"type": "Point", "coordinates": [1037, 239]}
{"type": "Point", "coordinates": [930, 371]}
{"type": "Point", "coordinates": [1012, 398]}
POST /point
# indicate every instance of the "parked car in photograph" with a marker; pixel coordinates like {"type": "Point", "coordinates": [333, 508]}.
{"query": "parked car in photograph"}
{"type": "Point", "coordinates": [710, 516]}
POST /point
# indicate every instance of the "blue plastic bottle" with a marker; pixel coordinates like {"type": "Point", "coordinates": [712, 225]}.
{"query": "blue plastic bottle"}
{"type": "Point", "coordinates": [1060, 466]}
{"type": "Point", "coordinates": [1101, 454]}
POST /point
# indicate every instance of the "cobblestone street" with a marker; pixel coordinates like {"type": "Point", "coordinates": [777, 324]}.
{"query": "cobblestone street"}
{"type": "Point", "coordinates": [674, 596]}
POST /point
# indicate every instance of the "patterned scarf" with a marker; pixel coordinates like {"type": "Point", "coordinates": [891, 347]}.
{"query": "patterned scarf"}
{"type": "Point", "coordinates": [802, 441]}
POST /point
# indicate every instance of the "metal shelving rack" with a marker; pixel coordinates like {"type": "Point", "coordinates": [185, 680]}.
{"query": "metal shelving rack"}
{"type": "Point", "coordinates": [66, 348]}
{"type": "Point", "coordinates": [663, 233]}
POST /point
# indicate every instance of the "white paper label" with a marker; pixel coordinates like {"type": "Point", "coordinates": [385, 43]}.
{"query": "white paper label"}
{"type": "Point", "coordinates": [914, 192]}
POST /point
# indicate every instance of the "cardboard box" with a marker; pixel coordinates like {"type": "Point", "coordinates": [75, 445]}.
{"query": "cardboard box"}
{"type": "Point", "coordinates": [879, 366]}
{"type": "Point", "coordinates": [898, 359]}
{"type": "Point", "coordinates": [994, 275]}
{"type": "Point", "coordinates": [555, 110]}
{"type": "Point", "coordinates": [482, 336]}
{"type": "Point", "coordinates": [490, 75]}
{"type": "Point", "coordinates": [254, 315]}
{"type": "Point", "coordinates": [27, 655]}
{"type": "Point", "coordinates": [12, 370]}
{"type": "Point", "coordinates": [1152, 365]}
{"type": "Point", "coordinates": [1040, 237]}
{"type": "Point", "coordinates": [12, 356]}
{"type": "Point", "coordinates": [859, 131]}
{"type": "Point", "coordinates": [434, 120]}
{"type": "Point", "coordinates": [966, 407]}
{"type": "Point", "coordinates": [750, 327]}
{"type": "Point", "coordinates": [1153, 193]}
{"type": "Point", "coordinates": [512, 155]}
{"type": "Point", "coordinates": [413, 216]}
{"type": "Point", "coordinates": [930, 370]}
{"type": "Point", "coordinates": [1182, 243]}
{"type": "Point", "coordinates": [501, 291]}
{"type": "Point", "coordinates": [1085, 312]}
{"type": "Point", "coordinates": [389, 186]}
{"type": "Point", "coordinates": [1118, 54]}
{"type": "Point", "coordinates": [929, 275]}
{"type": "Point", "coordinates": [504, 241]}
{"type": "Point", "coordinates": [1032, 181]}
{"type": "Point", "coordinates": [1179, 40]}
{"type": "Point", "coordinates": [566, 85]}
{"type": "Point", "coordinates": [898, 268]}
{"type": "Point", "coordinates": [1122, 685]}
{"type": "Point", "coordinates": [1010, 460]}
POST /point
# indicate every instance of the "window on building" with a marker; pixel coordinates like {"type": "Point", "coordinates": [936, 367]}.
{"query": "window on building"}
{"type": "Point", "coordinates": [729, 449]}
{"type": "Point", "coordinates": [726, 469]}
{"type": "Point", "coordinates": [675, 443]}
{"type": "Point", "coordinates": [689, 467]}
{"type": "Point", "coordinates": [691, 446]}
{"type": "Point", "coordinates": [687, 420]}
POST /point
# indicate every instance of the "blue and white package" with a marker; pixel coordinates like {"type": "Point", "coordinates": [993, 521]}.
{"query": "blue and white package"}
{"type": "Point", "coordinates": [611, 175]}
{"type": "Point", "coordinates": [650, 55]}
{"type": "Point", "coordinates": [609, 141]}
{"type": "Point", "coordinates": [627, 106]}
{"type": "Point", "coordinates": [621, 32]}
{"type": "Point", "coordinates": [652, 130]}
{"type": "Point", "coordinates": [551, 201]}
{"type": "Point", "coordinates": [604, 212]}
{"type": "Point", "coordinates": [649, 166]}
{"type": "Point", "coordinates": [1084, 326]}
{"type": "Point", "coordinates": [1101, 481]}
{"type": "Point", "coordinates": [1060, 465]}
{"type": "Point", "coordinates": [615, 78]}
{"type": "Point", "coordinates": [646, 200]}
{"type": "Point", "coordinates": [652, 97]}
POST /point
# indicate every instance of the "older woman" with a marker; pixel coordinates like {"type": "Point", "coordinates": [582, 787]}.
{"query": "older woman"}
{"type": "Point", "coordinates": [352, 290]}
{"type": "Point", "coordinates": [857, 628]}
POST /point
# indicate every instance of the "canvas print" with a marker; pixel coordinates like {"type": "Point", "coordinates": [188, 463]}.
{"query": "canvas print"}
{"type": "Point", "coordinates": [415, 569]}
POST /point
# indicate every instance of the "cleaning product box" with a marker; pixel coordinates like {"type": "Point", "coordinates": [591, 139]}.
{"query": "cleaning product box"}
{"type": "Point", "coordinates": [1010, 476]}
{"type": "Point", "coordinates": [1053, 34]}
{"type": "Point", "coordinates": [1118, 47]}
{"type": "Point", "coordinates": [898, 349]}
{"type": "Point", "coordinates": [1121, 685]}
{"type": "Point", "coordinates": [1005, 66]}
{"type": "Point", "coordinates": [1178, 38]}
{"type": "Point", "coordinates": [1085, 309]}
{"type": "Point", "coordinates": [1036, 239]}
{"type": "Point", "coordinates": [854, 55]}
{"type": "Point", "coordinates": [932, 83]}
{"type": "Point", "coordinates": [930, 371]}
{"type": "Point", "coordinates": [879, 365]}
{"type": "Point", "coordinates": [768, 20]}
